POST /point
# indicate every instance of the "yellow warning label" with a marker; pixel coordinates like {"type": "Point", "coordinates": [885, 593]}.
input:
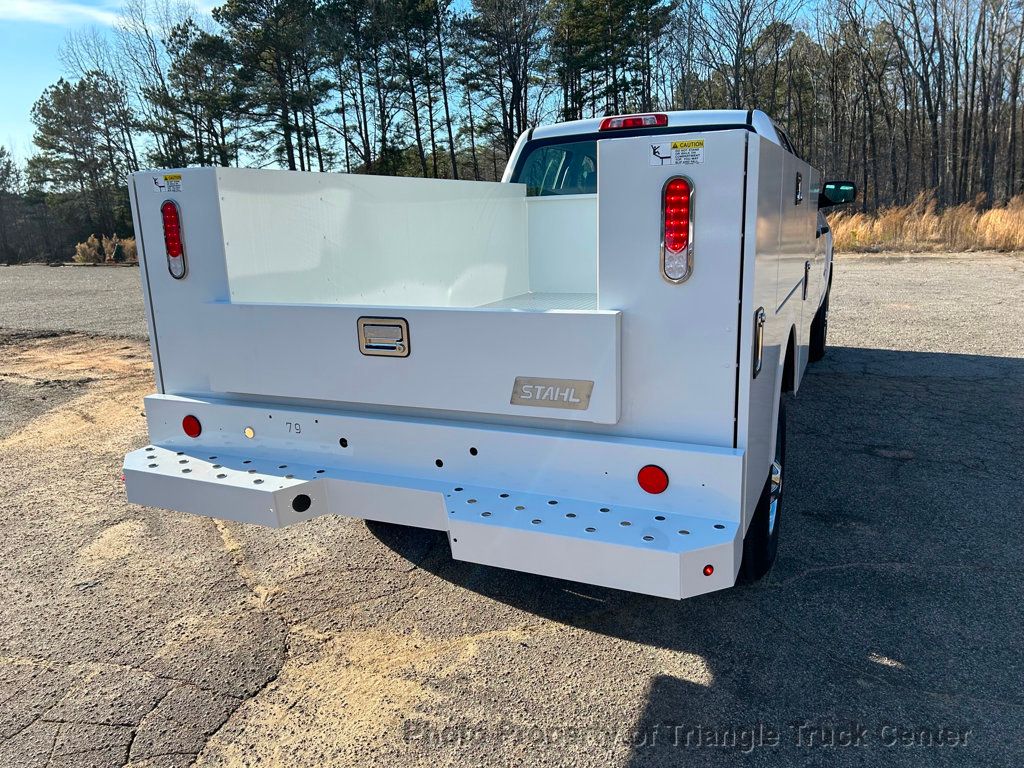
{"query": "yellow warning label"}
{"type": "Point", "coordinates": [167, 182]}
{"type": "Point", "coordinates": [691, 144]}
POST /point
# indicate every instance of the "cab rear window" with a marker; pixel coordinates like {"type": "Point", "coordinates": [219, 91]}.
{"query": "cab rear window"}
{"type": "Point", "coordinates": [559, 169]}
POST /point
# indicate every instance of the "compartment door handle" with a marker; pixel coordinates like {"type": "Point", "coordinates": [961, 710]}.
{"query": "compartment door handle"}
{"type": "Point", "coordinates": [759, 320]}
{"type": "Point", "coordinates": [383, 336]}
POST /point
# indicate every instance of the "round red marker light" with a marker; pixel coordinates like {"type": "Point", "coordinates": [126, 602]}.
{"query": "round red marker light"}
{"type": "Point", "coordinates": [709, 569]}
{"type": "Point", "coordinates": [191, 426]}
{"type": "Point", "coordinates": [652, 478]}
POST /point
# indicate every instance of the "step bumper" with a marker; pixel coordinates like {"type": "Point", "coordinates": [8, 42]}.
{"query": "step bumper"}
{"type": "Point", "coordinates": [652, 552]}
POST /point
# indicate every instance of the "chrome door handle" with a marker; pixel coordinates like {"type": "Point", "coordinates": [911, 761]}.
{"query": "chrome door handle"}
{"type": "Point", "coordinates": [759, 320]}
{"type": "Point", "coordinates": [383, 336]}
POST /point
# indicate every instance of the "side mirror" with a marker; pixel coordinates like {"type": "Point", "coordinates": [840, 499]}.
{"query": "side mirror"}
{"type": "Point", "coordinates": [837, 193]}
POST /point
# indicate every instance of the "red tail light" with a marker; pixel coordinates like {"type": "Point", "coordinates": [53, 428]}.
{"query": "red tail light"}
{"type": "Point", "coordinates": [172, 239]}
{"type": "Point", "coordinates": [677, 215]}
{"type": "Point", "coordinates": [677, 235]}
{"type": "Point", "coordinates": [621, 122]}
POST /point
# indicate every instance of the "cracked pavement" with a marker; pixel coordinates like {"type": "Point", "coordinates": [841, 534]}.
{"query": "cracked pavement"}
{"type": "Point", "coordinates": [892, 620]}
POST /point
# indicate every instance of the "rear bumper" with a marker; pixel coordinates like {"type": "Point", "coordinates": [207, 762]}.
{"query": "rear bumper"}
{"type": "Point", "coordinates": [553, 504]}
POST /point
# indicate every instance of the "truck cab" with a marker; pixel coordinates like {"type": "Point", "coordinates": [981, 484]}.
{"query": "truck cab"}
{"type": "Point", "coordinates": [577, 372]}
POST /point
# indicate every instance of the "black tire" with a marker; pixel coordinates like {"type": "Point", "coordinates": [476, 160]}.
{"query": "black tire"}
{"type": "Point", "coordinates": [761, 543]}
{"type": "Point", "coordinates": [819, 331]}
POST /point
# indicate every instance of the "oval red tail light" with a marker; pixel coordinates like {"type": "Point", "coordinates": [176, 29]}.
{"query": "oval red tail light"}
{"type": "Point", "coordinates": [173, 245]}
{"type": "Point", "coordinates": [677, 229]}
{"type": "Point", "coordinates": [676, 204]}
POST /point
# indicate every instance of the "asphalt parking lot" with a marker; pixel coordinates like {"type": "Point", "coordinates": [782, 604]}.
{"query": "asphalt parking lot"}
{"type": "Point", "coordinates": [889, 632]}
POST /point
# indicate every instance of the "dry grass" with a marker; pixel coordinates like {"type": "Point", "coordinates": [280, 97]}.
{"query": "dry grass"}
{"type": "Point", "coordinates": [920, 226]}
{"type": "Point", "coordinates": [89, 252]}
{"type": "Point", "coordinates": [107, 250]}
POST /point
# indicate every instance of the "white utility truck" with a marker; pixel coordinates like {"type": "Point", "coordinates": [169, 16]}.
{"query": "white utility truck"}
{"type": "Point", "coordinates": [578, 372]}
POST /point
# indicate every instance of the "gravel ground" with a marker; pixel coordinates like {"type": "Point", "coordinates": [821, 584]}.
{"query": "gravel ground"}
{"type": "Point", "coordinates": [887, 634]}
{"type": "Point", "coordinates": [105, 300]}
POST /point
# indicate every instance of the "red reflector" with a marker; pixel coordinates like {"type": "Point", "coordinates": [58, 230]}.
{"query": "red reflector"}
{"type": "Point", "coordinates": [652, 478]}
{"type": "Point", "coordinates": [676, 207]}
{"type": "Point", "coordinates": [709, 569]}
{"type": "Point", "coordinates": [191, 426]}
{"type": "Point", "coordinates": [620, 122]}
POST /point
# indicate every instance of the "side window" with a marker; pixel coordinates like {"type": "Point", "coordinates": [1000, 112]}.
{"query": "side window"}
{"type": "Point", "coordinates": [559, 169]}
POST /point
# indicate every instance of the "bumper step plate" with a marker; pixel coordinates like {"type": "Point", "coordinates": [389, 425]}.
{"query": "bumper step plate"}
{"type": "Point", "coordinates": [657, 553]}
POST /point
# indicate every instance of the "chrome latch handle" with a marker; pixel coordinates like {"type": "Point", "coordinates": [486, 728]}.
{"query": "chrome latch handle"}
{"type": "Point", "coordinates": [759, 321]}
{"type": "Point", "coordinates": [383, 336]}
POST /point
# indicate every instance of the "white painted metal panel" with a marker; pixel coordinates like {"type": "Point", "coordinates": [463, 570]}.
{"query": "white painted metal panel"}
{"type": "Point", "coordinates": [261, 491]}
{"type": "Point", "coordinates": [460, 360]}
{"type": "Point", "coordinates": [546, 301]}
{"type": "Point", "coordinates": [796, 249]}
{"type": "Point", "coordinates": [624, 548]}
{"type": "Point", "coordinates": [757, 398]}
{"type": "Point", "coordinates": [704, 481]}
{"type": "Point", "coordinates": [144, 267]}
{"type": "Point", "coordinates": [678, 340]}
{"type": "Point", "coordinates": [793, 246]}
{"type": "Point", "coordinates": [331, 238]}
{"type": "Point", "coordinates": [178, 325]}
{"type": "Point", "coordinates": [808, 217]}
{"type": "Point", "coordinates": [773, 278]}
{"type": "Point", "coordinates": [563, 243]}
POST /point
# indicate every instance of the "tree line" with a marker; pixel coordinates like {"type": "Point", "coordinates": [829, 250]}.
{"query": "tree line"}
{"type": "Point", "coordinates": [906, 97]}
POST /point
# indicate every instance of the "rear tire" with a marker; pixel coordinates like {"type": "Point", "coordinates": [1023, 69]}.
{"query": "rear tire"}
{"type": "Point", "coordinates": [761, 544]}
{"type": "Point", "coordinates": [819, 331]}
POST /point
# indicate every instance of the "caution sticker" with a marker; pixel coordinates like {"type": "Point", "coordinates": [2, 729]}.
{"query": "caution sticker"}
{"type": "Point", "coordinates": [167, 182]}
{"type": "Point", "coordinates": [689, 152]}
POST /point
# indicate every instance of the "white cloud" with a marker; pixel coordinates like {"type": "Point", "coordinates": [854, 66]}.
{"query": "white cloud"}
{"type": "Point", "coordinates": [59, 12]}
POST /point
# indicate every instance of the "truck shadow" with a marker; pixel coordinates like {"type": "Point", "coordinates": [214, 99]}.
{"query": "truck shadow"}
{"type": "Point", "coordinates": [895, 600]}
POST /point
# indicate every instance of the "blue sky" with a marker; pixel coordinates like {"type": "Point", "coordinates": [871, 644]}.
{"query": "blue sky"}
{"type": "Point", "coordinates": [31, 32]}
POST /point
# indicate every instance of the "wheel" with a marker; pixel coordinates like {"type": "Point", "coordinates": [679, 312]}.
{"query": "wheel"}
{"type": "Point", "coordinates": [819, 331]}
{"type": "Point", "coordinates": [761, 543]}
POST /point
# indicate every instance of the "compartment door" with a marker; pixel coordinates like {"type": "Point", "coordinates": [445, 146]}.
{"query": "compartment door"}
{"type": "Point", "coordinates": [678, 339]}
{"type": "Point", "coordinates": [541, 364]}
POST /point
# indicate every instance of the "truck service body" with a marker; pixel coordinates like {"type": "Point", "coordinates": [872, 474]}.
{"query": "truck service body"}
{"type": "Point", "coordinates": [577, 372]}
